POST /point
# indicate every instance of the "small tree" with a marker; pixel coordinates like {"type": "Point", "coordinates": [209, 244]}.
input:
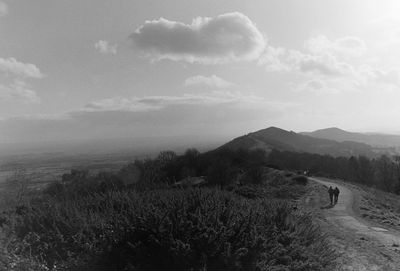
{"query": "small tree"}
{"type": "Point", "coordinates": [385, 172]}
{"type": "Point", "coordinates": [221, 173]}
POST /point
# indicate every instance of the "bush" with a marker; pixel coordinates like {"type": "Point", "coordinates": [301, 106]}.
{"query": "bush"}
{"type": "Point", "coordinates": [78, 185]}
{"type": "Point", "coordinates": [194, 229]}
{"type": "Point", "coordinates": [249, 192]}
{"type": "Point", "coordinates": [254, 175]}
{"type": "Point", "coordinates": [300, 179]}
{"type": "Point", "coordinates": [289, 174]}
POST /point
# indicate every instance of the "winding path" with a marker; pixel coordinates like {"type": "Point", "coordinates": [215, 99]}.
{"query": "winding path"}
{"type": "Point", "coordinates": [342, 215]}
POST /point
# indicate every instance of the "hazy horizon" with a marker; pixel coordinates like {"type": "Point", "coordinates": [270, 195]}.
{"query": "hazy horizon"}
{"type": "Point", "coordinates": [99, 70]}
{"type": "Point", "coordinates": [140, 145]}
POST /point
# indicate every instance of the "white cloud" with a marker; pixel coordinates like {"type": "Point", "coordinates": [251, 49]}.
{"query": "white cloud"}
{"type": "Point", "coordinates": [325, 64]}
{"type": "Point", "coordinates": [225, 38]}
{"type": "Point", "coordinates": [320, 56]}
{"type": "Point", "coordinates": [330, 66]}
{"type": "Point", "coordinates": [154, 103]}
{"type": "Point", "coordinates": [346, 46]}
{"type": "Point", "coordinates": [104, 47]}
{"type": "Point", "coordinates": [14, 75]}
{"type": "Point", "coordinates": [3, 9]}
{"type": "Point", "coordinates": [18, 91]}
{"type": "Point", "coordinates": [316, 86]}
{"type": "Point", "coordinates": [13, 66]}
{"type": "Point", "coordinates": [276, 59]}
{"type": "Point", "coordinates": [212, 81]}
{"type": "Point", "coordinates": [284, 60]}
{"type": "Point", "coordinates": [381, 76]}
{"type": "Point", "coordinates": [218, 112]}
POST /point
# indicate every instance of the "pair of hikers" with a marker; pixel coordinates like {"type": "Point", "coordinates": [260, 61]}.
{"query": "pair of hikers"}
{"type": "Point", "coordinates": [333, 194]}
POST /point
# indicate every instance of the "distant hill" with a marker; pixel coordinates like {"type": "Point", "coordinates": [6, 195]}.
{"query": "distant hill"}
{"type": "Point", "coordinates": [376, 140]}
{"type": "Point", "coordinates": [276, 138]}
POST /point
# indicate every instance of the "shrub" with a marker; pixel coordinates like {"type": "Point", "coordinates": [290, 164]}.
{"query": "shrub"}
{"type": "Point", "coordinates": [249, 192]}
{"type": "Point", "coordinates": [193, 229]}
{"type": "Point", "coordinates": [78, 185]}
{"type": "Point", "coordinates": [289, 174]}
{"type": "Point", "coordinates": [254, 175]}
{"type": "Point", "coordinates": [300, 179]}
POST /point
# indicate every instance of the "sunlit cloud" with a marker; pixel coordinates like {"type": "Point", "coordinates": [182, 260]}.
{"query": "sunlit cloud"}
{"type": "Point", "coordinates": [18, 90]}
{"type": "Point", "coordinates": [316, 86]}
{"type": "Point", "coordinates": [322, 63]}
{"type": "Point", "coordinates": [345, 46]}
{"type": "Point", "coordinates": [210, 112]}
{"type": "Point", "coordinates": [154, 103]}
{"type": "Point", "coordinates": [225, 38]}
{"type": "Point", "coordinates": [330, 66]}
{"type": "Point", "coordinates": [104, 47]}
{"type": "Point", "coordinates": [212, 81]}
{"type": "Point", "coordinates": [14, 75]}
{"type": "Point", "coordinates": [17, 68]}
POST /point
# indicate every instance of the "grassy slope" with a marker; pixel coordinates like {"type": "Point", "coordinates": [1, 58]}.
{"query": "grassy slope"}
{"type": "Point", "coordinates": [96, 230]}
{"type": "Point", "coordinates": [377, 206]}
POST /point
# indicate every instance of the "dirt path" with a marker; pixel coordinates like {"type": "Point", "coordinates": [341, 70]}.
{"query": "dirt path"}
{"type": "Point", "coordinates": [365, 246]}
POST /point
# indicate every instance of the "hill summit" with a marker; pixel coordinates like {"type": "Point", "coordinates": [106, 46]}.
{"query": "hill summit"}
{"type": "Point", "coordinates": [280, 139]}
{"type": "Point", "coordinates": [373, 139]}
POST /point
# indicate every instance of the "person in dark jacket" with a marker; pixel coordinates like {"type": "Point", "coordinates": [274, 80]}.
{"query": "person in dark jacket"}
{"type": "Point", "coordinates": [336, 194]}
{"type": "Point", "coordinates": [330, 191]}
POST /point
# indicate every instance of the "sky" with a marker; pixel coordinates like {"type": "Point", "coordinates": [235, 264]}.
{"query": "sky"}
{"type": "Point", "coordinates": [97, 69]}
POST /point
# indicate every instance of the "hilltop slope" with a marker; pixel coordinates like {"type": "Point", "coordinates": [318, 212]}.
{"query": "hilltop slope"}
{"type": "Point", "coordinates": [379, 140]}
{"type": "Point", "coordinates": [276, 138]}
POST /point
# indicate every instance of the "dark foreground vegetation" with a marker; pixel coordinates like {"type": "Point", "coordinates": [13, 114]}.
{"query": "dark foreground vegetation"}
{"type": "Point", "coordinates": [242, 217]}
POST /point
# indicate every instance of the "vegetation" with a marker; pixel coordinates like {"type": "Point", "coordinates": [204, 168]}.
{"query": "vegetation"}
{"type": "Point", "coordinates": [382, 172]}
{"type": "Point", "coordinates": [106, 222]}
{"type": "Point", "coordinates": [199, 229]}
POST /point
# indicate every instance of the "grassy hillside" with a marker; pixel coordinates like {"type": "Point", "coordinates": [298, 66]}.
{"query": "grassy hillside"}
{"type": "Point", "coordinates": [378, 206]}
{"type": "Point", "coordinates": [100, 223]}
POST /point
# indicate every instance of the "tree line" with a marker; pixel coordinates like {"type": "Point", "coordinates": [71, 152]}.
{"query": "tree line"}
{"type": "Point", "coordinates": [382, 172]}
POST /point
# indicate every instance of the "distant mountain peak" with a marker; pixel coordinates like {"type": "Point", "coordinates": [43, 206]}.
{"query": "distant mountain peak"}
{"type": "Point", "coordinates": [333, 129]}
{"type": "Point", "coordinates": [330, 130]}
{"type": "Point", "coordinates": [373, 139]}
{"type": "Point", "coordinates": [272, 129]}
{"type": "Point", "coordinates": [280, 139]}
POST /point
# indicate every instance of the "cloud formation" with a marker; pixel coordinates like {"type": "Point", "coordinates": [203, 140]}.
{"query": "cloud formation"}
{"type": "Point", "coordinates": [316, 86]}
{"type": "Point", "coordinates": [316, 61]}
{"type": "Point", "coordinates": [225, 38]}
{"type": "Point", "coordinates": [212, 81]}
{"type": "Point", "coordinates": [18, 90]}
{"type": "Point", "coordinates": [13, 66]}
{"type": "Point", "coordinates": [381, 76]}
{"type": "Point", "coordinates": [13, 75]}
{"type": "Point", "coordinates": [104, 47]}
{"type": "Point", "coordinates": [330, 66]}
{"type": "Point", "coordinates": [208, 113]}
{"type": "Point", "coordinates": [346, 46]}
{"type": "Point", "coordinates": [154, 103]}
{"type": "Point", "coordinates": [325, 64]}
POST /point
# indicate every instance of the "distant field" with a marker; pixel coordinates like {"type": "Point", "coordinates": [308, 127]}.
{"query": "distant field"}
{"type": "Point", "coordinates": [44, 168]}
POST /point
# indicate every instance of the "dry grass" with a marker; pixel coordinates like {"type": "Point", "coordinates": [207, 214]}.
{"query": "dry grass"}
{"type": "Point", "coordinates": [377, 206]}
